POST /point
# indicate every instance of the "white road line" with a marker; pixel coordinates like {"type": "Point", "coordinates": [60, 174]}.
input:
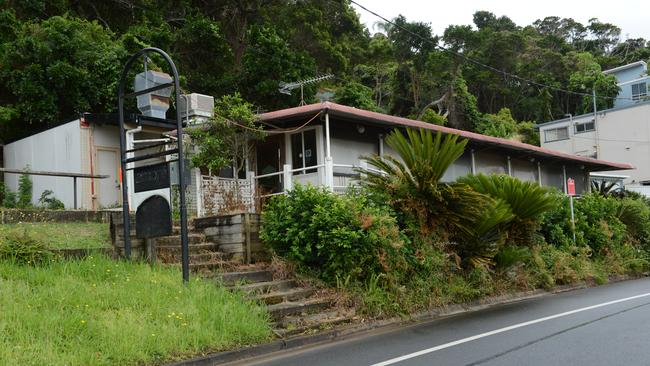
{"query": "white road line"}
{"type": "Point", "coordinates": [501, 330]}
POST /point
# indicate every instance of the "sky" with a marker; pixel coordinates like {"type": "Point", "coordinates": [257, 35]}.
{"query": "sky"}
{"type": "Point", "coordinates": [629, 15]}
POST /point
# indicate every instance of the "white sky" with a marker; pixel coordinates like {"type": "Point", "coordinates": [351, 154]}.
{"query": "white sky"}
{"type": "Point", "coordinates": [629, 15]}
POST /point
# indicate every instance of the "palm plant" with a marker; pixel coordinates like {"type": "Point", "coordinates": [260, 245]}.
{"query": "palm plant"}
{"type": "Point", "coordinates": [479, 243]}
{"type": "Point", "coordinates": [527, 201]}
{"type": "Point", "coordinates": [605, 188]}
{"type": "Point", "coordinates": [412, 184]}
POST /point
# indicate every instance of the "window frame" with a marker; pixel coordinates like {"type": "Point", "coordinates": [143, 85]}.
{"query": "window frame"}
{"type": "Point", "coordinates": [584, 125]}
{"type": "Point", "coordinates": [639, 95]}
{"type": "Point", "coordinates": [565, 128]}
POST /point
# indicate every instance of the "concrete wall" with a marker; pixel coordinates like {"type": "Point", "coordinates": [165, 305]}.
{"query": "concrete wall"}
{"type": "Point", "coordinates": [623, 136]}
{"type": "Point", "coordinates": [58, 150]}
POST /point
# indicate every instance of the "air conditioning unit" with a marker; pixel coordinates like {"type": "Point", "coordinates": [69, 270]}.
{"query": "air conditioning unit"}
{"type": "Point", "coordinates": [196, 107]}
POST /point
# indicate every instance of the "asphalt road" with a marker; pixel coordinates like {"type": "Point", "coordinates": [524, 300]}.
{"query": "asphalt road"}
{"type": "Point", "coordinates": [607, 325]}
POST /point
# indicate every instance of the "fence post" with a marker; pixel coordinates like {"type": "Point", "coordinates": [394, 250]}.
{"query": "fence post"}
{"type": "Point", "coordinates": [288, 182]}
{"type": "Point", "coordinates": [199, 193]}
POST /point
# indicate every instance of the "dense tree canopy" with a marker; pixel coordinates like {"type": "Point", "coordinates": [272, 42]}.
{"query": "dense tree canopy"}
{"type": "Point", "coordinates": [60, 58]}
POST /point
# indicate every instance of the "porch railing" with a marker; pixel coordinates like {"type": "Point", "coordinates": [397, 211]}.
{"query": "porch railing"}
{"type": "Point", "coordinates": [220, 194]}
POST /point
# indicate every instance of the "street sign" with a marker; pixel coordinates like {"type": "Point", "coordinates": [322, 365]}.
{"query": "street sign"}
{"type": "Point", "coordinates": [571, 187]}
{"type": "Point", "coordinates": [151, 177]}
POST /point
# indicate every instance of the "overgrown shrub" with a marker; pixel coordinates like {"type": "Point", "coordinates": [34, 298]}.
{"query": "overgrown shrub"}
{"type": "Point", "coordinates": [47, 200]}
{"type": "Point", "coordinates": [635, 214]}
{"type": "Point", "coordinates": [24, 191]}
{"type": "Point", "coordinates": [24, 249]}
{"type": "Point", "coordinates": [334, 235]}
{"type": "Point", "coordinates": [9, 200]}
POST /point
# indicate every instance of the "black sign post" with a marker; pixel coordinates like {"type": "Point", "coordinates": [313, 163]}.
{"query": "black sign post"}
{"type": "Point", "coordinates": [146, 176]}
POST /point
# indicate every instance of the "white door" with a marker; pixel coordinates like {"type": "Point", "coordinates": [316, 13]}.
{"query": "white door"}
{"type": "Point", "coordinates": [305, 151]}
{"type": "Point", "coordinates": [108, 188]}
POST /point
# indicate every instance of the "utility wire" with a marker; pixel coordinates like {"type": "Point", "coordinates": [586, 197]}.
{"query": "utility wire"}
{"type": "Point", "coordinates": [505, 74]}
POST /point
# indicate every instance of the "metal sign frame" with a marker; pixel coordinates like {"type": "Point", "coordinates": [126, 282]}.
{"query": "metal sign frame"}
{"type": "Point", "coordinates": [179, 150]}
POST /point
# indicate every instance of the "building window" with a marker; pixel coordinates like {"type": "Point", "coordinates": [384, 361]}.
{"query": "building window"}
{"type": "Point", "coordinates": [303, 151]}
{"type": "Point", "coordinates": [585, 126]}
{"type": "Point", "coordinates": [639, 91]}
{"type": "Point", "coordinates": [554, 134]}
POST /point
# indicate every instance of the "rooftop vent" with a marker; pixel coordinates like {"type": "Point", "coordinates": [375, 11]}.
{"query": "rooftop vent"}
{"type": "Point", "coordinates": [198, 106]}
{"type": "Point", "coordinates": [154, 104]}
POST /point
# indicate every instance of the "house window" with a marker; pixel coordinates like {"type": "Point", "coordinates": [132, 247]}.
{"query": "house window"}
{"type": "Point", "coordinates": [585, 126]}
{"type": "Point", "coordinates": [555, 134]}
{"type": "Point", "coordinates": [639, 91]}
{"type": "Point", "coordinates": [303, 151]}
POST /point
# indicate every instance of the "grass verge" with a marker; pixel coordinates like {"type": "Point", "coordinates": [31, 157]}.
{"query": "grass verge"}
{"type": "Point", "coordinates": [63, 235]}
{"type": "Point", "coordinates": [97, 311]}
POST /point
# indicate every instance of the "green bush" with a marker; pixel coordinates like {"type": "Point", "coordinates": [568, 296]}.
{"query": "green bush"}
{"type": "Point", "coordinates": [526, 200]}
{"type": "Point", "coordinates": [24, 192]}
{"type": "Point", "coordinates": [10, 199]}
{"type": "Point", "coordinates": [24, 249]}
{"type": "Point", "coordinates": [50, 202]}
{"type": "Point", "coordinates": [635, 214]}
{"type": "Point", "coordinates": [336, 236]}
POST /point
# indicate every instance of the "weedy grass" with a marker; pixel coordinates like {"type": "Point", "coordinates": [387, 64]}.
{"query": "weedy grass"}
{"type": "Point", "coordinates": [62, 235]}
{"type": "Point", "coordinates": [96, 311]}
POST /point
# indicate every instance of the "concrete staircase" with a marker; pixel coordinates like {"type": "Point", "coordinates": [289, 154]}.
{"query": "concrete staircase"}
{"type": "Point", "coordinates": [295, 307]}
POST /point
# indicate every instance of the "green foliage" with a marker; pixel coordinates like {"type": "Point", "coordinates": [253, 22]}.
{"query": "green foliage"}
{"type": "Point", "coordinates": [226, 139]}
{"type": "Point", "coordinates": [10, 199]}
{"type": "Point", "coordinates": [412, 182]}
{"type": "Point", "coordinates": [333, 235]}
{"type": "Point", "coordinates": [47, 200]}
{"type": "Point", "coordinates": [498, 125]}
{"type": "Point", "coordinates": [635, 214]}
{"type": "Point", "coordinates": [480, 241]}
{"type": "Point", "coordinates": [25, 187]}
{"type": "Point", "coordinates": [526, 200]}
{"type": "Point", "coordinates": [356, 95]}
{"type": "Point", "coordinates": [24, 249]}
{"type": "Point", "coordinates": [53, 70]}
{"type": "Point", "coordinates": [432, 117]}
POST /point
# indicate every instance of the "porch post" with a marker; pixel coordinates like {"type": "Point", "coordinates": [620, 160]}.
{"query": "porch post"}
{"type": "Point", "coordinates": [288, 183]}
{"type": "Point", "coordinates": [509, 166]}
{"type": "Point", "coordinates": [564, 178]}
{"type": "Point", "coordinates": [473, 156]}
{"type": "Point", "coordinates": [539, 172]}
{"type": "Point", "coordinates": [329, 164]}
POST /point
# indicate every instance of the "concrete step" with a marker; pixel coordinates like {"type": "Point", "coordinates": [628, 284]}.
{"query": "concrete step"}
{"type": "Point", "coordinates": [296, 325]}
{"type": "Point", "coordinates": [251, 276]}
{"type": "Point", "coordinates": [176, 240]}
{"type": "Point", "coordinates": [276, 297]}
{"type": "Point", "coordinates": [283, 309]}
{"type": "Point", "coordinates": [266, 287]}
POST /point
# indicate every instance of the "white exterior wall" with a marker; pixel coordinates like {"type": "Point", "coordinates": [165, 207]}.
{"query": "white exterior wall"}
{"type": "Point", "coordinates": [621, 136]}
{"type": "Point", "coordinates": [56, 150]}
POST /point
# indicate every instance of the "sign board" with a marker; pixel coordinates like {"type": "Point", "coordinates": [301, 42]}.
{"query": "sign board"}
{"type": "Point", "coordinates": [571, 187]}
{"type": "Point", "coordinates": [151, 177]}
{"type": "Point", "coordinates": [173, 172]}
{"type": "Point", "coordinates": [153, 218]}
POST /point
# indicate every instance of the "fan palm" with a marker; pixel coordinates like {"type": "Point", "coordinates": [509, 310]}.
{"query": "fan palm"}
{"type": "Point", "coordinates": [527, 201]}
{"type": "Point", "coordinates": [412, 181]}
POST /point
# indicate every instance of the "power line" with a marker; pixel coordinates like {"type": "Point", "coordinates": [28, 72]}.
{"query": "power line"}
{"type": "Point", "coordinates": [476, 62]}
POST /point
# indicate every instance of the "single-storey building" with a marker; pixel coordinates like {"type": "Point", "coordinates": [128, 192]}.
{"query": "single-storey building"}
{"type": "Point", "coordinates": [322, 143]}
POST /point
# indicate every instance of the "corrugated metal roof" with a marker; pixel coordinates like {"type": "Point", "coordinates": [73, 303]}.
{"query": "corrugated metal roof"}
{"type": "Point", "coordinates": [380, 118]}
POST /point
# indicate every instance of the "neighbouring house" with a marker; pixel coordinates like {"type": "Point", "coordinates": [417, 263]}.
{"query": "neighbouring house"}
{"type": "Point", "coordinates": [91, 145]}
{"type": "Point", "coordinates": [322, 144]}
{"type": "Point", "coordinates": [619, 134]}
